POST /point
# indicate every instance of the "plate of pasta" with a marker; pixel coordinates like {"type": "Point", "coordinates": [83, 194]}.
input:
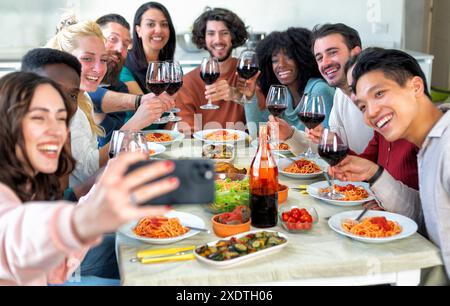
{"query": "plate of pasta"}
{"type": "Point", "coordinates": [163, 137]}
{"type": "Point", "coordinates": [302, 168]}
{"type": "Point", "coordinates": [221, 136]}
{"type": "Point", "coordinates": [355, 193]}
{"type": "Point", "coordinates": [375, 226]}
{"type": "Point", "coordinates": [165, 229]}
{"type": "Point", "coordinates": [155, 149]}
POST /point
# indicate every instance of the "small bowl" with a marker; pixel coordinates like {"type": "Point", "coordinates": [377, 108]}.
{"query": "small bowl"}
{"type": "Point", "coordinates": [225, 230]}
{"type": "Point", "coordinates": [282, 193]}
{"type": "Point", "coordinates": [293, 227]}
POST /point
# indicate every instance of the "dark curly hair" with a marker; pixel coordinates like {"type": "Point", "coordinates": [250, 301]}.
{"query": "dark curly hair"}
{"type": "Point", "coordinates": [296, 43]}
{"type": "Point", "coordinates": [350, 35]}
{"type": "Point", "coordinates": [235, 24]}
{"type": "Point", "coordinates": [16, 93]}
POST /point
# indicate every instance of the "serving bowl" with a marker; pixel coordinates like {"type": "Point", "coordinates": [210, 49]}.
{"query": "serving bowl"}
{"type": "Point", "coordinates": [225, 230]}
{"type": "Point", "coordinates": [298, 227]}
{"type": "Point", "coordinates": [282, 193]}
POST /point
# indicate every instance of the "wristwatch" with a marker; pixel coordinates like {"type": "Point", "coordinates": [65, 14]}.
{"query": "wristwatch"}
{"type": "Point", "coordinates": [376, 176]}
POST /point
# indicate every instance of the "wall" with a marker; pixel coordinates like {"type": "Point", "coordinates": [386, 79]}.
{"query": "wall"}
{"type": "Point", "coordinates": [27, 24]}
{"type": "Point", "coordinates": [440, 43]}
{"type": "Point", "coordinates": [387, 15]}
{"type": "Point", "coordinates": [418, 25]}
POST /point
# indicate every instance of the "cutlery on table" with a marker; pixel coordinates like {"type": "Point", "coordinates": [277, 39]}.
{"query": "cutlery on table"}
{"type": "Point", "coordinates": [163, 255]}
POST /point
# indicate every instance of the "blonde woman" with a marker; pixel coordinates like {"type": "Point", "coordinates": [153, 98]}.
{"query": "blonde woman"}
{"type": "Point", "coordinates": [85, 41]}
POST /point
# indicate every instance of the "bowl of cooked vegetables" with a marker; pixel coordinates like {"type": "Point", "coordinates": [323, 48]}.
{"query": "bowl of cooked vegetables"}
{"type": "Point", "coordinates": [232, 190]}
{"type": "Point", "coordinates": [232, 223]}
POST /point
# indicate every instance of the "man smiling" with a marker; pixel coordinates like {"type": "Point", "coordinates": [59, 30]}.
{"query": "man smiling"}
{"type": "Point", "coordinates": [218, 31]}
{"type": "Point", "coordinates": [391, 92]}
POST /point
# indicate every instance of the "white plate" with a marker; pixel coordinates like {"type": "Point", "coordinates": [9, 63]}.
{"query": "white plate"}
{"type": "Point", "coordinates": [159, 149]}
{"type": "Point", "coordinates": [245, 258]}
{"type": "Point", "coordinates": [285, 162]}
{"type": "Point", "coordinates": [176, 136]}
{"type": "Point", "coordinates": [201, 135]}
{"type": "Point", "coordinates": [185, 219]}
{"type": "Point", "coordinates": [313, 190]}
{"type": "Point", "coordinates": [255, 145]}
{"type": "Point", "coordinates": [409, 227]}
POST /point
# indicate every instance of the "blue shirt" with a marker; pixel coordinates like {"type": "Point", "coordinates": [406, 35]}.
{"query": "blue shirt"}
{"type": "Point", "coordinates": [112, 121]}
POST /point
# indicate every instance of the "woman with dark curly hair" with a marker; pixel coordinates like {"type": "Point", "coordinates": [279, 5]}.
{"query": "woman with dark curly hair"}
{"type": "Point", "coordinates": [44, 242]}
{"type": "Point", "coordinates": [218, 31]}
{"type": "Point", "coordinates": [285, 58]}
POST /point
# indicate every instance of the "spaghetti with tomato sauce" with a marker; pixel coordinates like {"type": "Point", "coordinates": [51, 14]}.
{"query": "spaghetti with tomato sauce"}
{"type": "Point", "coordinates": [374, 227]}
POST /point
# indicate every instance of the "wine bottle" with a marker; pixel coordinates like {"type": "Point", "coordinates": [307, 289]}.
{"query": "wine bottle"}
{"type": "Point", "coordinates": [264, 185]}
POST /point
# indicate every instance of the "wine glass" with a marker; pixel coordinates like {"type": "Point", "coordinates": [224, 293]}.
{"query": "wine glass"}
{"type": "Point", "coordinates": [209, 73]}
{"type": "Point", "coordinates": [333, 148]}
{"type": "Point", "coordinates": [158, 81]}
{"type": "Point", "coordinates": [175, 83]}
{"type": "Point", "coordinates": [247, 68]}
{"type": "Point", "coordinates": [134, 141]}
{"type": "Point", "coordinates": [312, 113]}
{"type": "Point", "coordinates": [276, 103]}
{"type": "Point", "coordinates": [115, 142]}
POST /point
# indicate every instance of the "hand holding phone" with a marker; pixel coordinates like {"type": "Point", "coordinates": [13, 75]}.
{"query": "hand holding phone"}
{"type": "Point", "coordinates": [197, 182]}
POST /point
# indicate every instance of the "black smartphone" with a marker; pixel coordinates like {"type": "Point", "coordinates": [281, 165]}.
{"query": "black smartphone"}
{"type": "Point", "coordinates": [197, 182]}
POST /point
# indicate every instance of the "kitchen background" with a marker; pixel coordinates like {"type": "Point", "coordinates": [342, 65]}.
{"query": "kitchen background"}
{"type": "Point", "coordinates": [418, 25]}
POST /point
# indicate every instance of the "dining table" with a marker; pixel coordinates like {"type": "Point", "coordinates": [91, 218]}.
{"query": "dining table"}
{"type": "Point", "coordinates": [316, 257]}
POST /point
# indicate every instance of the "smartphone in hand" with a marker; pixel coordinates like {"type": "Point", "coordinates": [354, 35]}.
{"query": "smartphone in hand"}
{"type": "Point", "coordinates": [197, 182]}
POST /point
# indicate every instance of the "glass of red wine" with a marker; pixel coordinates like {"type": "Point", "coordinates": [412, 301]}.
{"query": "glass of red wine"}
{"type": "Point", "coordinates": [175, 83]}
{"type": "Point", "coordinates": [333, 148]}
{"type": "Point", "coordinates": [247, 68]}
{"type": "Point", "coordinates": [276, 103]}
{"type": "Point", "coordinates": [312, 113]}
{"type": "Point", "coordinates": [209, 73]}
{"type": "Point", "coordinates": [158, 82]}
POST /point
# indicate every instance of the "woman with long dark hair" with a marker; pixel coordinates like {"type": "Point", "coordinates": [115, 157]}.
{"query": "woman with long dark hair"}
{"type": "Point", "coordinates": [44, 242]}
{"type": "Point", "coordinates": [154, 39]}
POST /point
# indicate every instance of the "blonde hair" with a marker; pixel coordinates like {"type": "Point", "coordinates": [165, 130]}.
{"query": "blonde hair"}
{"type": "Point", "coordinates": [66, 39]}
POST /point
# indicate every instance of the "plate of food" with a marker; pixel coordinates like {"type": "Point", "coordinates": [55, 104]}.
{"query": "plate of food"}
{"type": "Point", "coordinates": [218, 152]}
{"type": "Point", "coordinates": [232, 190]}
{"type": "Point", "coordinates": [374, 227]}
{"type": "Point", "coordinates": [163, 137]}
{"type": "Point", "coordinates": [155, 149]}
{"type": "Point", "coordinates": [282, 147]}
{"type": "Point", "coordinates": [302, 168]}
{"type": "Point", "coordinates": [356, 193]}
{"type": "Point", "coordinates": [221, 136]}
{"type": "Point", "coordinates": [226, 253]}
{"type": "Point", "coordinates": [165, 229]}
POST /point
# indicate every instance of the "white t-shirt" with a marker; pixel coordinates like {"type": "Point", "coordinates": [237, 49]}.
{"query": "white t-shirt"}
{"type": "Point", "coordinates": [84, 149]}
{"type": "Point", "coordinates": [345, 114]}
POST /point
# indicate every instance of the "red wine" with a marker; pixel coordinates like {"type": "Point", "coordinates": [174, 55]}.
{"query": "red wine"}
{"type": "Point", "coordinates": [264, 210]}
{"type": "Point", "coordinates": [332, 156]}
{"type": "Point", "coordinates": [247, 72]}
{"type": "Point", "coordinates": [277, 110]}
{"type": "Point", "coordinates": [209, 78]}
{"type": "Point", "coordinates": [311, 120]}
{"type": "Point", "coordinates": [174, 87]}
{"type": "Point", "coordinates": [157, 88]}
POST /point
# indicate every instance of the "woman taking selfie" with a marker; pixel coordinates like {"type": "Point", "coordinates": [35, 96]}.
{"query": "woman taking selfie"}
{"type": "Point", "coordinates": [44, 242]}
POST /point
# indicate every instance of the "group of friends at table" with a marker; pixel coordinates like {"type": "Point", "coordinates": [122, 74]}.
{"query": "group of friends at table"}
{"type": "Point", "coordinates": [60, 111]}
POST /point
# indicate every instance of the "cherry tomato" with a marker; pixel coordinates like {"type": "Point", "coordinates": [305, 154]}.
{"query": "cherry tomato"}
{"type": "Point", "coordinates": [299, 226]}
{"type": "Point", "coordinates": [306, 218]}
{"type": "Point", "coordinates": [307, 226]}
{"type": "Point", "coordinates": [285, 216]}
{"type": "Point", "coordinates": [295, 210]}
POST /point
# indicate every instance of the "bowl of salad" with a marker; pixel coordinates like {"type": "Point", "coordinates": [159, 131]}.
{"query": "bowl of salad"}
{"type": "Point", "coordinates": [232, 190]}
